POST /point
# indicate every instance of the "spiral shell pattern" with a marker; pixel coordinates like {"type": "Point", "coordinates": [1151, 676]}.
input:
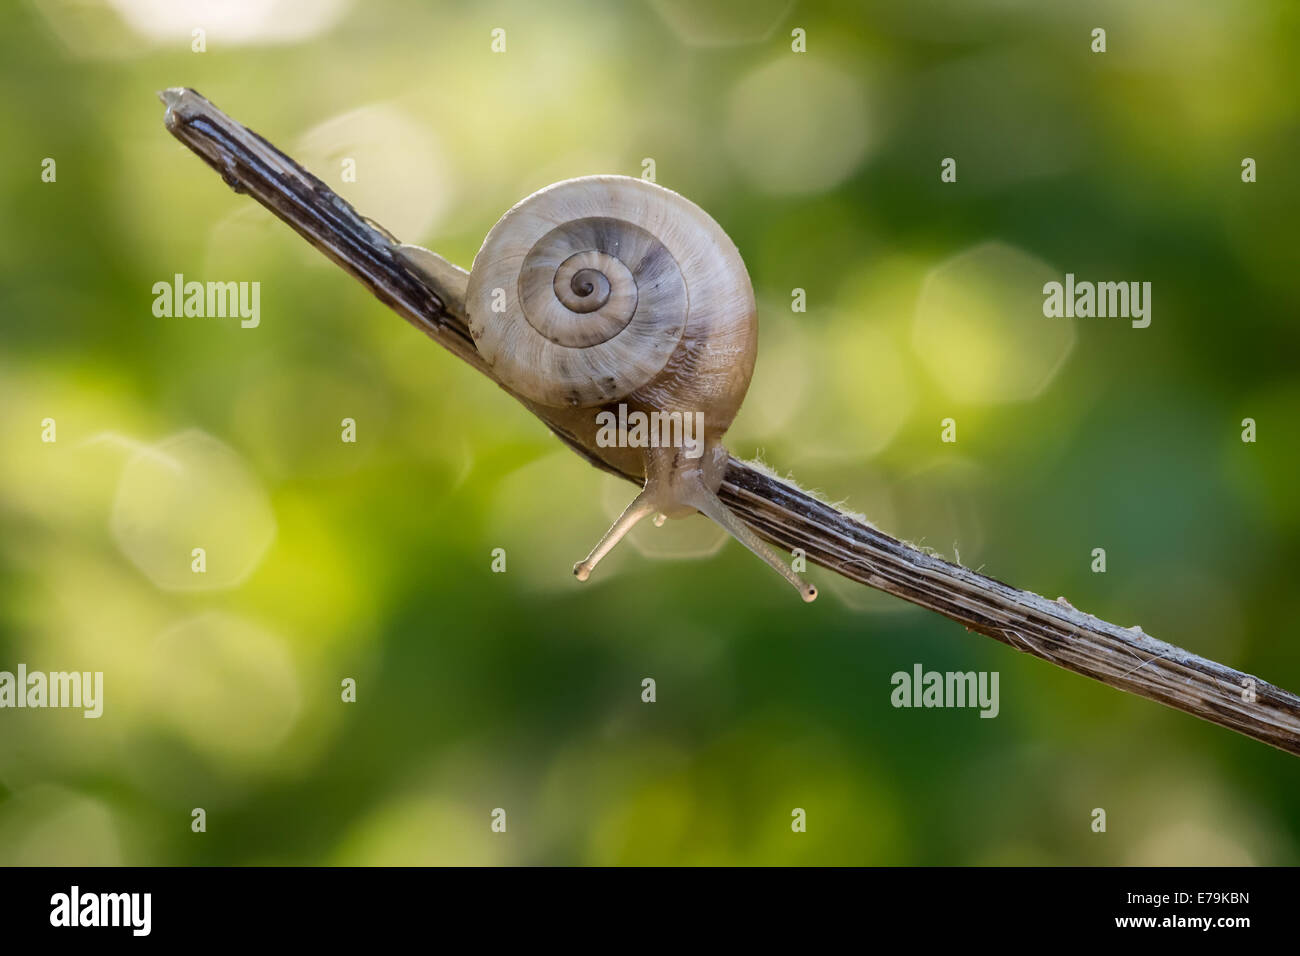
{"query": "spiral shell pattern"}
{"type": "Point", "coordinates": [582, 292]}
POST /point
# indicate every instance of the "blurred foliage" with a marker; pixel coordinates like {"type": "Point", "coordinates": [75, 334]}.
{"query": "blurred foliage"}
{"type": "Point", "coordinates": [522, 690]}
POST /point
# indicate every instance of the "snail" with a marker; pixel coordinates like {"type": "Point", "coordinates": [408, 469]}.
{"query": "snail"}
{"type": "Point", "coordinates": [625, 311]}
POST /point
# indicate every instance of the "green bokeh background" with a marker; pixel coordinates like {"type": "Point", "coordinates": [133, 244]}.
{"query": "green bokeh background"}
{"type": "Point", "coordinates": [522, 690]}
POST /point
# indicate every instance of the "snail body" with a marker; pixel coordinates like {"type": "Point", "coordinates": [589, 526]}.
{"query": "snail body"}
{"type": "Point", "coordinates": [609, 300]}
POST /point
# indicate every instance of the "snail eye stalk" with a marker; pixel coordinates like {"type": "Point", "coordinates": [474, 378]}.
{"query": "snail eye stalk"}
{"type": "Point", "coordinates": [698, 496]}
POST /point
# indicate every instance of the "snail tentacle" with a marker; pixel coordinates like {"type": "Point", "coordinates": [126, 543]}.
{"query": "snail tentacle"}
{"type": "Point", "coordinates": [641, 506]}
{"type": "Point", "coordinates": [712, 507]}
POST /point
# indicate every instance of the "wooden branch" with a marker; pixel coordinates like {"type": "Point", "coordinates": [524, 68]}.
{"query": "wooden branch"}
{"type": "Point", "coordinates": [429, 293]}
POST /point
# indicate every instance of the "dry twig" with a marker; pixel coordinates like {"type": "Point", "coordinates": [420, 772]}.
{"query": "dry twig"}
{"type": "Point", "coordinates": [1124, 658]}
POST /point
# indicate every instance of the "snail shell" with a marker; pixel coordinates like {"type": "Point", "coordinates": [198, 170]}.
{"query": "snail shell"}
{"type": "Point", "coordinates": [608, 288]}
